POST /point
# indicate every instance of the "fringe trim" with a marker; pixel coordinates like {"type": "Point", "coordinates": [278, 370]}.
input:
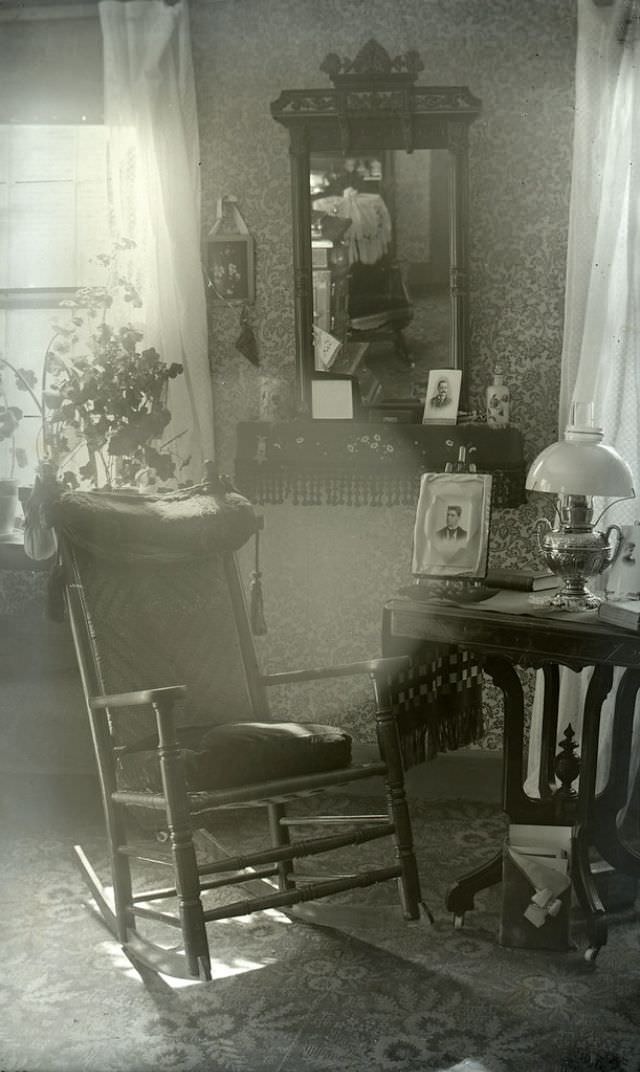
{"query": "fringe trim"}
{"type": "Point", "coordinates": [440, 731]}
{"type": "Point", "coordinates": [343, 488]}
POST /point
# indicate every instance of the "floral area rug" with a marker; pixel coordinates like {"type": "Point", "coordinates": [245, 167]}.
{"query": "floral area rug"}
{"type": "Point", "coordinates": [371, 992]}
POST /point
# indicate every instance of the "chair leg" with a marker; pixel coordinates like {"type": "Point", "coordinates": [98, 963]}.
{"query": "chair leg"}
{"type": "Point", "coordinates": [399, 811]}
{"type": "Point", "coordinates": [279, 837]}
{"type": "Point", "coordinates": [120, 869]}
{"type": "Point", "coordinates": [196, 943]}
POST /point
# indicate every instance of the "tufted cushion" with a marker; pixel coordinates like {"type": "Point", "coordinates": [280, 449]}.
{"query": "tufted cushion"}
{"type": "Point", "coordinates": [239, 753]}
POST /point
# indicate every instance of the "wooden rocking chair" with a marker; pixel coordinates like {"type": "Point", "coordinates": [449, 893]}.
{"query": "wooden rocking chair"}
{"type": "Point", "coordinates": [182, 729]}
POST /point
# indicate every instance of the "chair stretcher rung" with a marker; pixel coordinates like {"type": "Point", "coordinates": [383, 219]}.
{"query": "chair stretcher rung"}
{"type": "Point", "coordinates": [145, 857]}
{"type": "Point", "coordinates": [301, 880]}
{"type": "Point", "coordinates": [258, 792]}
{"type": "Point", "coordinates": [311, 893]}
{"type": "Point", "coordinates": [300, 848]}
{"type": "Point", "coordinates": [266, 791]}
{"type": "Point", "coordinates": [156, 914]}
{"type": "Point", "coordinates": [231, 879]}
{"type": "Point", "coordinates": [328, 820]}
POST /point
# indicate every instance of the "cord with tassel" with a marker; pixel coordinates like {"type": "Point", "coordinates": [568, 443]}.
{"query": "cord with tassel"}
{"type": "Point", "coordinates": [256, 598]}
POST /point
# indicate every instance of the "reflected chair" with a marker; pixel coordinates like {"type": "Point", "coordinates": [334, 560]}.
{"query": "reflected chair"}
{"type": "Point", "coordinates": [182, 729]}
{"type": "Point", "coordinates": [379, 305]}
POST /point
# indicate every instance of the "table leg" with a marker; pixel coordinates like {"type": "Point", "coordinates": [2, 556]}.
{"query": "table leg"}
{"type": "Point", "coordinates": [460, 896]}
{"type": "Point", "coordinates": [549, 730]}
{"type": "Point", "coordinates": [583, 832]}
{"type": "Point", "coordinates": [612, 805]}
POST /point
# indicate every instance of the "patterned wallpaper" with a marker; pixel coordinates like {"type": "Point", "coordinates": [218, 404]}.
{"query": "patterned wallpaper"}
{"type": "Point", "coordinates": [328, 570]}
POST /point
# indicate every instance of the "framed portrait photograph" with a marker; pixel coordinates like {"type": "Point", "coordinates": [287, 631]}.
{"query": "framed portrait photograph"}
{"type": "Point", "coordinates": [451, 533]}
{"type": "Point", "coordinates": [443, 396]}
{"type": "Point", "coordinates": [333, 397]}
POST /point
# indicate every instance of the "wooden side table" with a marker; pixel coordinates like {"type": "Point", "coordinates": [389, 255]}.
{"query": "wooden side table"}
{"type": "Point", "coordinates": [507, 632]}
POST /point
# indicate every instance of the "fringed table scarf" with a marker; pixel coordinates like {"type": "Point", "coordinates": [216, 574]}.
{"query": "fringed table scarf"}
{"type": "Point", "coordinates": [338, 463]}
{"type": "Point", "coordinates": [438, 703]}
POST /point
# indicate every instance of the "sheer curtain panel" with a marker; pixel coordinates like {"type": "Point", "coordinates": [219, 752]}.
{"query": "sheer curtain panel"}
{"type": "Point", "coordinates": [154, 187]}
{"type": "Point", "coordinates": [601, 343]}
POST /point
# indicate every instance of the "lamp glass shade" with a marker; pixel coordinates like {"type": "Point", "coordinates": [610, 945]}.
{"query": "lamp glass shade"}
{"type": "Point", "coordinates": [581, 466]}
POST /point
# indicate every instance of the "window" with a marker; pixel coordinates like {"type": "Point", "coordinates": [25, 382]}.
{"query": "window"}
{"type": "Point", "coordinates": [52, 181]}
{"type": "Point", "coordinates": [53, 221]}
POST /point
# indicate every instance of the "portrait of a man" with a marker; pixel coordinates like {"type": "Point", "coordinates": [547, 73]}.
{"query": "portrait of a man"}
{"type": "Point", "coordinates": [452, 530]}
{"type": "Point", "coordinates": [441, 397]}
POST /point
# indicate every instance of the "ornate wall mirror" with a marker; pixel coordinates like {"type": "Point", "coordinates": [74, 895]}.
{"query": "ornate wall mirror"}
{"type": "Point", "coordinates": [380, 214]}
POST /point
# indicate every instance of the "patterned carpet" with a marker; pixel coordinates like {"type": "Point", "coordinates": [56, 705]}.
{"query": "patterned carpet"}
{"type": "Point", "coordinates": [377, 993]}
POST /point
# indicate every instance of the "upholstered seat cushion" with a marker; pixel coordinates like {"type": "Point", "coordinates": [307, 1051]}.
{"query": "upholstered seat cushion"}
{"type": "Point", "coordinates": [239, 753]}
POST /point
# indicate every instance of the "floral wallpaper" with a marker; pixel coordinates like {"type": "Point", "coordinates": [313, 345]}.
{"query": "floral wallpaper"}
{"type": "Point", "coordinates": [328, 570]}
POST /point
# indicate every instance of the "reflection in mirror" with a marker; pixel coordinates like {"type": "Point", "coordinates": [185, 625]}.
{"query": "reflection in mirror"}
{"type": "Point", "coordinates": [380, 258]}
{"type": "Point", "coordinates": [379, 184]}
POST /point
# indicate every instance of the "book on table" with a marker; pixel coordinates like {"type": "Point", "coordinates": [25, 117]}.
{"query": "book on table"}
{"type": "Point", "coordinates": [623, 612]}
{"type": "Point", "coordinates": [521, 580]}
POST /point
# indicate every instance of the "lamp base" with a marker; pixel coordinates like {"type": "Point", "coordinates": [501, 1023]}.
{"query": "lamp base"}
{"type": "Point", "coordinates": [570, 601]}
{"type": "Point", "coordinates": [576, 551]}
{"type": "Point", "coordinates": [572, 597]}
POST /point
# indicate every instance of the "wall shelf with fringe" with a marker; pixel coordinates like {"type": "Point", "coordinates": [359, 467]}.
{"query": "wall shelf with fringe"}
{"type": "Point", "coordinates": [311, 463]}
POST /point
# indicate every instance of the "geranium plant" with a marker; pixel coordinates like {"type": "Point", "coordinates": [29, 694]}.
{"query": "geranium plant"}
{"type": "Point", "coordinates": [104, 391]}
{"type": "Point", "coordinates": [103, 396]}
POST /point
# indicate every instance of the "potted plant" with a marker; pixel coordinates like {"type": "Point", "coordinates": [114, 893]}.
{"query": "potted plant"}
{"type": "Point", "coordinates": [103, 396]}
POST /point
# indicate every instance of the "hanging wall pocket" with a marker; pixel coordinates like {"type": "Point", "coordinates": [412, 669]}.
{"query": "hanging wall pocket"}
{"type": "Point", "coordinates": [246, 341]}
{"type": "Point", "coordinates": [230, 255]}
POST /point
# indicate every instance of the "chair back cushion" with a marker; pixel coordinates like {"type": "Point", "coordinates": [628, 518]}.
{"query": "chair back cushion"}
{"type": "Point", "coordinates": [161, 601]}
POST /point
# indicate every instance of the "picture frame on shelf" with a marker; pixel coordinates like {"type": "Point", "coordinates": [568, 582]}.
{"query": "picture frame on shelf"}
{"type": "Point", "coordinates": [334, 396]}
{"type": "Point", "coordinates": [442, 397]}
{"type": "Point", "coordinates": [451, 531]}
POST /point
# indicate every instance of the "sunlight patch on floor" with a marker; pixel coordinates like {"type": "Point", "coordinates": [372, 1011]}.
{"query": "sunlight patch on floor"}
{"type": "Point", "coordinates": [271, 913]}
{"type": "Point", "coordinates": [468, 1065]}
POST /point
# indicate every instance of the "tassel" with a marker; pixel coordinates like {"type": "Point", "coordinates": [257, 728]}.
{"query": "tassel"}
{"type": "Point", "coordinates": [256, 600]}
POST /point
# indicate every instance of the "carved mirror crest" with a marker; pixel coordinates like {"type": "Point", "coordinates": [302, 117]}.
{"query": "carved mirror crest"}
{"type": "Point", "coordinates": [380, 215]}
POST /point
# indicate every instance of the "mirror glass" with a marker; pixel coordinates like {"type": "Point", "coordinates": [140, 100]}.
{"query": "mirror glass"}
{"type": "Point", "coordinates": [380, 237]}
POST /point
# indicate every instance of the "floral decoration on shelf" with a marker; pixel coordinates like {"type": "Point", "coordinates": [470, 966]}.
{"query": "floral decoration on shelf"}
{"type": "Point", "coordinates": [103, 395]}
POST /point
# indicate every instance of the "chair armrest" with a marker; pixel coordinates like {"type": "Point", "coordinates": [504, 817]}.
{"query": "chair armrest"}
{"type": "Point", "coordinates": [373, 667]}
{"type": "Point", "coordinates": [135, 699]}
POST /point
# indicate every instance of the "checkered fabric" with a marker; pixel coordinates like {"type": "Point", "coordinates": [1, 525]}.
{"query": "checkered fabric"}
{"type": "Point", "coordinates": [438, 703]}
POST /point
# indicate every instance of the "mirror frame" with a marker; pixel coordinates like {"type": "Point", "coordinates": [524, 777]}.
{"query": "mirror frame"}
{"type": "Point", "coordinates": [375, 105]}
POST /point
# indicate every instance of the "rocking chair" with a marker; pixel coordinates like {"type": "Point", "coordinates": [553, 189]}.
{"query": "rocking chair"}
{"type": "Point", "coordinates": [182, 730]}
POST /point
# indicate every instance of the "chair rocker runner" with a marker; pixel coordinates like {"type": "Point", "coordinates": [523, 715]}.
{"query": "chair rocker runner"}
{"type": "Point", "coordinates": [182, 729]}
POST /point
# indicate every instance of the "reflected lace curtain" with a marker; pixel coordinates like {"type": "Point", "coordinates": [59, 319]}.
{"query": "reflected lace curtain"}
{"type": "Point", "coordinates": [601, 344]}
{"type": "Point", "coordinates": [154, 198]}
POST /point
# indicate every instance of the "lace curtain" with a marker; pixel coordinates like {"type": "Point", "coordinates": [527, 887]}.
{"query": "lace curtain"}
{"type": "Point", "coordinates": [601, 344]}
{"type": "Point", "coordinates": [154, 193]}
